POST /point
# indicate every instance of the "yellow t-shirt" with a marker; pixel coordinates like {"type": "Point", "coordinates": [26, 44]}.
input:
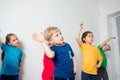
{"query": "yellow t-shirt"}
{"type": "Point", "coordinates": [90, 56]}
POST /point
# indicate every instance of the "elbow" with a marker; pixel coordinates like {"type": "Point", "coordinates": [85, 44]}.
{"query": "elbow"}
{"type": "Point", "coordinates": [76, 38]}
{"type": "Point", "coordinates": [51, 55]}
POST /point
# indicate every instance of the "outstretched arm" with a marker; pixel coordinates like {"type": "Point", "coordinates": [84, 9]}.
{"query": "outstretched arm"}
{"type": "Point", "coordinates": [106, 41]}
{"type": "Point", "coordinates": [40, 38]}
{"type": "Point", "coordinates": [78, 35]}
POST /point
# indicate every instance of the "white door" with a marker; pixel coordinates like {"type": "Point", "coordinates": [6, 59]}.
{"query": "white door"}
{"type": "Point", "coordinates": [114, 54]}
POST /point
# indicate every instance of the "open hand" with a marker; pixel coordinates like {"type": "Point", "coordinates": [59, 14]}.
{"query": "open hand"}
{"type": "Point", "coordinates": [38, 37]}
{"type": "Point", "coordinates": [81, 25]}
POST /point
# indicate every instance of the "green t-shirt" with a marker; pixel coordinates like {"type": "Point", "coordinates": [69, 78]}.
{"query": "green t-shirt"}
{"type": "Point", "coordinates": [104, 62]}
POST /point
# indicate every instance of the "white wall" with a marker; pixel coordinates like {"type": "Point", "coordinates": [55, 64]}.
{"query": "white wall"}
{"type": "Point", "coordinates": [23, 17]}
{"type": "Point", "coordinates": [108, 9]}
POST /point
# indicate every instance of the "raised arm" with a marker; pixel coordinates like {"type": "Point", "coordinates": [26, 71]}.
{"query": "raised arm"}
{"type": "Point", "coordinates": [78, 35]}
{"type": "Point", "coordinates": [106, 41]}
{"type": "Point", "coordinates": [40, 38]}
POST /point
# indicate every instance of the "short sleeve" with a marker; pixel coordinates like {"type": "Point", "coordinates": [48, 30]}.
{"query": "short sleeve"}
{"type": "Point", "coordinates": [72, 53]}
{"type": "Point", "coordinates": [99, 55]}
{"type": "Point", "coordinates": [82, 46]}
{"type": "Point", "coordinates": [99, 47]}
{"type": "Point", "coordinates": [4, 47]}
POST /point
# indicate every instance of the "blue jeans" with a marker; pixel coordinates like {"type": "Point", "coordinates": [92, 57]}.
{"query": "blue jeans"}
{"type": "Point", "coordinates": [58, 78]}
{"type": "Point", "coordinates": [9, 77]}
{"type": "Point", "coordinates": [102, 74]}
{"type": "Point", "coordinates": [85, 76]}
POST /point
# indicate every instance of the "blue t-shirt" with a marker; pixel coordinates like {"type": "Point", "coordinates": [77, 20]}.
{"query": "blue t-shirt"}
{"type": "Point", "coordinates": [63, 61]}
{"type": "Point", "coordinates": [12, 59]}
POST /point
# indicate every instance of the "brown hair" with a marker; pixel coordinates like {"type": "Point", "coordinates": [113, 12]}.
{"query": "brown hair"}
{"type": "Point", "coordinates": [8, 37]}
{"type": "Point", "coordinates": [84, 35]}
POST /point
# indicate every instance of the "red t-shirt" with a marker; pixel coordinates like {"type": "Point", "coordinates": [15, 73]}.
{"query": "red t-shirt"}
{"type": "Point", "coordinates": [48, 66]}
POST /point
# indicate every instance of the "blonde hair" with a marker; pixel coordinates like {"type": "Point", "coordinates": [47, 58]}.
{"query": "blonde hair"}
{"type": "Point", "coordinates": [49, 32]}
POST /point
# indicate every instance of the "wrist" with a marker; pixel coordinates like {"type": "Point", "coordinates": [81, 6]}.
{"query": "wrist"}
{"type": "Point", "coordinates": [43, 42]}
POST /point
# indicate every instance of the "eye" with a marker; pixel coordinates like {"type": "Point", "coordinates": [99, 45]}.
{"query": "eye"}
{"type": "Point", "coordinates": [56, 35]}
{"type": "Point", "coordinates": [16, 38]}
{"type": "Point", "coordinates": [60, 33]}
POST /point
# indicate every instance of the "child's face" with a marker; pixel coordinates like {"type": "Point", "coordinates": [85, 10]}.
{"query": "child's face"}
{"type": "Point", "coordinates": [14, 41]}
{"type": "Point", "coordinates": [57, 38]}
{"type": "Point", "coordinates": [89, 38]}
{"type": "Point", "coordinates": [106, 47]}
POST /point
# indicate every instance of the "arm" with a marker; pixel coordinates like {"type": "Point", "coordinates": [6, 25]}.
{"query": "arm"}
{"type": "Point", "coordinates": [40, 38]}
{"type": "Point", "coordinates": [21, 67]}
{"type": "Point", "coordinates": [75, 65]}
{"type": "Point", "coordinates": [99, 64]}
{"type": "Point", "coordinates": [106, 41]}
{"type": "Point", "coordinates": [100, 59]}
{"type": "Point", "coordinates": [21, 64]}
{"type": "Point", "coordinates": [78, 35]}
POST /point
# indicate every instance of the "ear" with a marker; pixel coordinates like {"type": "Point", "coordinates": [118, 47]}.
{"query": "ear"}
{"type": "Point", "coordinates": [84, 39]}
{"type": "Point", "coordinates": [50, 41]}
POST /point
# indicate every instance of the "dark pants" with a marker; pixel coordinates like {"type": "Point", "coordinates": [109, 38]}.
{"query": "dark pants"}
{"type": "Point", "coordinates": [0, 76]}
{"type": "Point", "coordinates": [102, 74]}
{"type": "Point", "coordinates": [9, 77]}
{"type": "Point", "coordinates": [58, 78]}
{"type": "Point", "coordinates": [85, 76]}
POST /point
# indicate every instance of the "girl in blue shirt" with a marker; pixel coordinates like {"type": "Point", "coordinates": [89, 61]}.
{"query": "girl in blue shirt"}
{"type": "Point", "coordinates": [11, 59]}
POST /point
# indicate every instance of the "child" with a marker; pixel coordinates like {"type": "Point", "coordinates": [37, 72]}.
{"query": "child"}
{"type": "Point", "coordinates": [104, 47]}
{"type": "Point", "coordinates": [60, 52]}
{"type": "Point", "coordinates": [90, 55]}
{"type": "Point", "coordinates": [11, 59]}
{"type": "Point", "coordinates": [48, 64]}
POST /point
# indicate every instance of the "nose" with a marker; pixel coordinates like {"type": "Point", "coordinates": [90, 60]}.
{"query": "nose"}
{"type": "Point", "coordinates": [61, 36]}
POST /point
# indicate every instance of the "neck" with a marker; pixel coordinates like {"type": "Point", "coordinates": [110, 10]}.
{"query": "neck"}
{"type": "Point", "coordinates": [88, 43]}
{"type": "Point", "coordinates": [59, 44]}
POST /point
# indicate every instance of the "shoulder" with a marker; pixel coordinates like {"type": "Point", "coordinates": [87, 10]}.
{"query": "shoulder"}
{"type": "Point", "coordinates": [95, 46]}
{"type": "Point", "coordinates": [4, 46]}
{"type": "Point", "coordinates": [20, 50]}
{"type": "Point", "coordinates": [84, 45]}
{"type": "Point", "coordinates": [66, 44]}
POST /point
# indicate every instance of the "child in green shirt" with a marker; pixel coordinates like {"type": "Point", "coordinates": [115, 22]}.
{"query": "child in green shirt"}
{"type": "Point", "coordinates": [104, 47]}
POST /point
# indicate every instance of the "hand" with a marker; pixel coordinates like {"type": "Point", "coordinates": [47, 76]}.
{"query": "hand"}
{"type": "Point", "coordinates": [75, 69]}
{"type": "Point", "coordinates": [38, 37]}
{"type": "Point", "coordinates": [98, 66]}
{"type": "Point", "coordinates": [21, 69]}
{"type": "Point", "coordinates": [81, 25]}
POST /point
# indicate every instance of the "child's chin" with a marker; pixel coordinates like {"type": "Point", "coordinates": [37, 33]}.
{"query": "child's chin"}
{"type": "Point", "coordinates": [17, 45]}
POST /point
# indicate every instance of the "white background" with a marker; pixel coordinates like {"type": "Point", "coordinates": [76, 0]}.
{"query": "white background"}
{"type": "Point", "coordinates": [23, 17]}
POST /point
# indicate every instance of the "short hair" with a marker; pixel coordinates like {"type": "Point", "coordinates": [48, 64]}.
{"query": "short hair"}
{"type": "Point", "coordinates": [49, 32]}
